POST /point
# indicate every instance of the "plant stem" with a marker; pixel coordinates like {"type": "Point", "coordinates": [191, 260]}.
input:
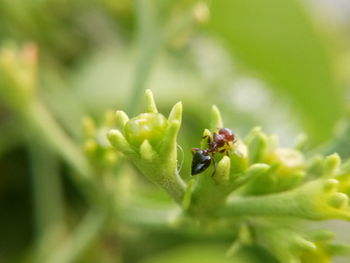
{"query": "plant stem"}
{"type": "Point", "coordinates": [165, 177]}
{"type": "Point", "coordinates": [283, 204]}
{"type": "Point", "coordinates": [149, 41]}
{"type": "Point", "coordinates": [45, 127]}
{"type": "Point", "coordinates": [80, 239]}
{"type": "Point", "coordinates": [47, 189]}
{"type": "Point", "coordinates": [174, 186]}
{"type": "Point", "coordinates": [207, 196]}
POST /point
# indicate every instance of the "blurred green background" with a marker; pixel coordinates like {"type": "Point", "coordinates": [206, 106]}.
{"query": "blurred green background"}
{"type": "Point", "coordinates": [282, 65]}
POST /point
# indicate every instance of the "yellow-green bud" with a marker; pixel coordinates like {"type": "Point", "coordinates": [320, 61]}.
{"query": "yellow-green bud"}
{"type": "Point", "coordinates": [146, 126]}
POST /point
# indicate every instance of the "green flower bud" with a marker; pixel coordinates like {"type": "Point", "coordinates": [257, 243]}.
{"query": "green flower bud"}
{"type": "Point", "coordinates": [317, 200]}
{"type": "Point", "coordinates": [222, 175]}
{"type": "Point", "coordinates": [239, 158]}
{"type": "Point", "coordinates": [320, 255]}
{"type": "Point", "coordinates": [283, 241]}
{"type": "Point", "coordinates": [344, 183]}
{"type": "Point", "coordinates": [146, 126]}
{"type": "Point", "coordinates": [149, 141]}
{"type": "Point", "coordinates": [331, 165]}
{"type": "Point", "coordinates": [90, 147]}
{"type": "Point", "coordinates": [257, 145]}
{"type": "Point", "coordinates": [96, 146]}
{"type": "Point", "coordinates": [315, 167]}
{"type": "Point", "coordinates": [215, 120]}
{"type": "Point", "coordinates": [18, 70]}
{"type": "Point", "coordinates": [290, 158]}
{"type": "Point", "coordinates": [89, 127]}
{"type": "Point", "coordinates": [121, 119]}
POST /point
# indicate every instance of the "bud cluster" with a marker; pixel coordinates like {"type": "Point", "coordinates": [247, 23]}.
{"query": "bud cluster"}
{"type": "Point", "coordinates": [261, 190]}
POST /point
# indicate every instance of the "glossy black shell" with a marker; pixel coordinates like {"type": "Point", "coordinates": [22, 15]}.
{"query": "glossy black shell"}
{"type": "Point", "coordinates": [200, 162]}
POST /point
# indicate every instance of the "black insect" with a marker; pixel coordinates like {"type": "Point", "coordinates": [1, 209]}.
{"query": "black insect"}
{"type": "Point", "coordinates": [219, 142]}
{"type": "Point", "coordinates": [201, 160]}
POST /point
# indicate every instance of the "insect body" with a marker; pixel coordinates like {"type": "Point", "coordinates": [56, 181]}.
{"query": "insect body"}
{"type": "Point", "coordinates": [220, 142]}
{"type": "Point", "coordinates": [201, 161]}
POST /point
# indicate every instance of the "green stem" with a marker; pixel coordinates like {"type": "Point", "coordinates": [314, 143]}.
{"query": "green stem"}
{"type": "Point", "coordinates": [174, 186]}
{"type": "Point", "coordinates": [150, 41]}
{"type": "Point", "coordinates": [168, 179]}
{"type": "Point", "coordinates": [80, 239]}
{"type": "Point", "coordinates": [42, 125]}
{"type": "Point", "coordinates": [47, 190]}
{"type": "Point", "coordinates": [45, 126]}
{"type": "Point", "coordinates": [207, 196]}
{"type": "Point", "coordinates": [284, 204]}
{"type": "Point", "coordinates": [147, 217]}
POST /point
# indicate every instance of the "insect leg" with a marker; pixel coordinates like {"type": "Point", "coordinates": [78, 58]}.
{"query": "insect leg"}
{"type": "Point", "coordinates": [214, 163]}
{"type": "Point", "coordinates": [194, 150]}
{"type": "Point", "coordinates": [207, 137]}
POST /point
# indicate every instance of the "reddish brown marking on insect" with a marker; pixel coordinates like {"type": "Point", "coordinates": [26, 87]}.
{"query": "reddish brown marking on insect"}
{"type": "Point", "coordinates": [220, 142]}
{"type": "Point", "coordinates": [228, 134]}
{"type": "Point", "coordinates": [220, 139]}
